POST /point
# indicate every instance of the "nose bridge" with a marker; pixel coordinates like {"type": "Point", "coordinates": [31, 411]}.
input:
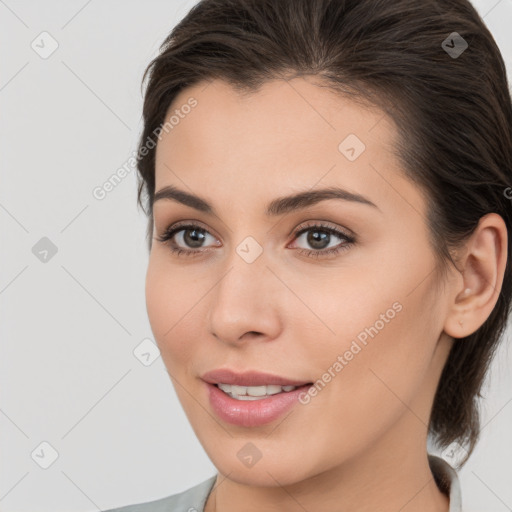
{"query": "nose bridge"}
{"type": "Point", "coordinates": [240, 299]}
{"type": "Point", "coordinates": [246, 275]}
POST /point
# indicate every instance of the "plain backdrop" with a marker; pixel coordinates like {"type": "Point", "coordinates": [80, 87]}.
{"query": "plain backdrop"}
{"type": "Point", "coordinates": [77, 394]}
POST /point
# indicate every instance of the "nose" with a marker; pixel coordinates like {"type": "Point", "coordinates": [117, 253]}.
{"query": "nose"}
{"type": "Point", "coordinates": [246, 302]}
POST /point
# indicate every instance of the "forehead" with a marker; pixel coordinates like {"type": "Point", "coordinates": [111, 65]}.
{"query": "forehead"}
{"type": "Point", "coordinates": [298, 109]}
{"type": "Point", "coordinates": [286, 136]}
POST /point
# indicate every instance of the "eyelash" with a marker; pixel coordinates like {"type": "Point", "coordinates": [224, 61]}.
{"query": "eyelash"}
{"type": "Point", "coordinates": [169, 233]}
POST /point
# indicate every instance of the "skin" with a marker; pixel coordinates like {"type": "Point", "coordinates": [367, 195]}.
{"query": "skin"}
{"type": "Point", "coordinates": [360, 444]}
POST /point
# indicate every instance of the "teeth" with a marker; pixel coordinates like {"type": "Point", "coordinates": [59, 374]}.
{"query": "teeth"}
{"type": "Point", "coordinates": [253, 392]}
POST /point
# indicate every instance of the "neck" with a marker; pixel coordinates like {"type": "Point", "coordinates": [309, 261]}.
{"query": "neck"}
{"type": "Point", "coordinates": [381, 479]}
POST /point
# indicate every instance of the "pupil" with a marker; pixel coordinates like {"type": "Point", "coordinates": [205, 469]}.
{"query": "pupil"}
{"type": "Point", "coordinates": [194, 240]}
{"type": "Point", "coordinates": [318, 242]}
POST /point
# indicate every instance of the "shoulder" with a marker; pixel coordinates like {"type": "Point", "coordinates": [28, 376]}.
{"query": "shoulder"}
{"type": "Point", "coordinates": [190, 500]}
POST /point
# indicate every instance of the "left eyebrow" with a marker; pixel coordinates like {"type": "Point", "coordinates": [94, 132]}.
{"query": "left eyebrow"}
{"type": "Point", "coordinates": [276, 207]}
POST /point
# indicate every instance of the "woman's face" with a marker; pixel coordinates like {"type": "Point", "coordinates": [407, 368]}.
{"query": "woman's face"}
{"type": "Point", "coordinates": [355, 312]}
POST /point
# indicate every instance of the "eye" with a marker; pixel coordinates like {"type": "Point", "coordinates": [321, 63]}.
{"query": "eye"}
{"type": "Point", "coordinates": [190, 235]}
{"type": "Point", "coordinates": [188, 239]}
{"type": "Point", "coordinates": [320, 236]}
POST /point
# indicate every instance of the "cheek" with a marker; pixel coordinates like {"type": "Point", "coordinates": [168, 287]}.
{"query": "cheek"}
{"type": "Point", "coordinates": [378, 357]}
{"type": "Point", "coordinates": [172, 302]}
{"type": "Point", "coordinates": [381, 317]}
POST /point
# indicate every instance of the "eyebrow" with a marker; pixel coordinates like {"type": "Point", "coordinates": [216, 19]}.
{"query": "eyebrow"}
{"type": "Point", "coordinates": [276, 207]}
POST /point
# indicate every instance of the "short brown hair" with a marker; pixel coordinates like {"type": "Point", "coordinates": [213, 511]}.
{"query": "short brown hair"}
{"type": "Point", "coordinates": [453, 113]}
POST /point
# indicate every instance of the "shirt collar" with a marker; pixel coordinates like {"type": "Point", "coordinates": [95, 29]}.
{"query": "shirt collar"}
{"type": "Point", "coordinates": [447, 480]}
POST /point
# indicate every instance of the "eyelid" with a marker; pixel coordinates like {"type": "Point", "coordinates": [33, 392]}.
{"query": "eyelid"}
{"type": "Point", "coordinates": [343, 234]}
{"type": "Point", "coordinates": [187, 223]}
{"type": "Point", "coordinates": [349, 240]}
{"type": "Point", "coordinates": [296, 231]}
{"type": "Point", "coordinates": [321, 223]}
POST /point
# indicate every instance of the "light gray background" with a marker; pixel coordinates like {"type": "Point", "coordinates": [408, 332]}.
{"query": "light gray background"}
{"type": "Point", "coordinates": [69, 326]}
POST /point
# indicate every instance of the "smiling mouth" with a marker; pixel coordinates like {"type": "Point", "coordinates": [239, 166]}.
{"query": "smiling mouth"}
{"type": "Point", "coordinates": [256, 392]}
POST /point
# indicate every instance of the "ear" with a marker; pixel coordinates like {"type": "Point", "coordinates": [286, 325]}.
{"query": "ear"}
{"type": "Point", "coordinates": [477, 288]}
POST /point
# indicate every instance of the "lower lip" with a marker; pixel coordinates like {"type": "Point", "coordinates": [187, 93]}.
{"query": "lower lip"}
{"type": "Point", "coordinates": [252, 413]}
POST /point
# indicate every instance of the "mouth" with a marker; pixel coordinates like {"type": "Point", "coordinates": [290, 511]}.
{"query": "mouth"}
{"type": "Point", "coordinates": [238, 405]}
{"type": "Point", "coordinates": [249, 393]}
{"type": "Point", "coordinates": [248, 379]}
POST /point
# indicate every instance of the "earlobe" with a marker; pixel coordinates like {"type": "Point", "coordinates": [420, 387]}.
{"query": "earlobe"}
{"type": "Point", "coordinates": [482, 269]}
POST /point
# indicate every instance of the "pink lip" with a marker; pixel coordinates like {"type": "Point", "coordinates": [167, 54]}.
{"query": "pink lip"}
{"type": "Point", "coordinates": [249, 378]}
{"type": "Point", "coordinates": [252, 413]}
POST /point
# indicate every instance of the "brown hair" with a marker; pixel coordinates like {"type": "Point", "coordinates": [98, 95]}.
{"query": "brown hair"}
{"type": "Point", "coordinates": [453, 113]}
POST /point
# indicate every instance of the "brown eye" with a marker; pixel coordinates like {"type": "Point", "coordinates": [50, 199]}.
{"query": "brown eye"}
{"type": "Point", "coordinates": [319, 237]}
{"type": "Point", "coordinates": [185, 239]}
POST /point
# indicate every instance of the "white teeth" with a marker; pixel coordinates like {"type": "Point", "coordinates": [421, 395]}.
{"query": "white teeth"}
{"type": "Point", "coordinates": [253, 392]}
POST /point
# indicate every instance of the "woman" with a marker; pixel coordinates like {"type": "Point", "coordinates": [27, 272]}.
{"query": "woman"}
{"type": "Point", "coordinates": [326, 186]}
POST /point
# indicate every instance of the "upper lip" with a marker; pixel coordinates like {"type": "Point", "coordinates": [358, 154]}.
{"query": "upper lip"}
{"type": "Point", "coordinates": [249, 378]}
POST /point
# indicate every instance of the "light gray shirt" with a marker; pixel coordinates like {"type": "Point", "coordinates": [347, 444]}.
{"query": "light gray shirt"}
{"type": "Point", "coordinates": [194, 498]}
